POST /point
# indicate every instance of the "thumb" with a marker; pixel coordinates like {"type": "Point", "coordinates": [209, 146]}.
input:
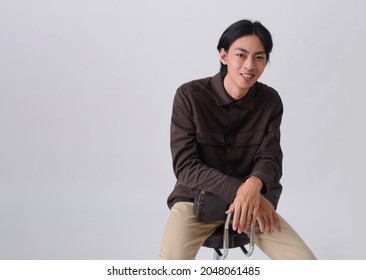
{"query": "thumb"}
{"type": "Point", "coordinates": [261, 224]}
{"type": "Point", "coordinates": [230, 210]}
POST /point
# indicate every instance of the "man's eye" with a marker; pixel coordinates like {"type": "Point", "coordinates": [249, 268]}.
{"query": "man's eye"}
{"type": "Point", "coordinates": [240, 55]}
{"type": "Point", "coordinates": [260, 57]}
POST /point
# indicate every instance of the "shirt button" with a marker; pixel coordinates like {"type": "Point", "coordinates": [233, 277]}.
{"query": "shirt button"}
{"type": "Point", "coordinates": [228, 149]}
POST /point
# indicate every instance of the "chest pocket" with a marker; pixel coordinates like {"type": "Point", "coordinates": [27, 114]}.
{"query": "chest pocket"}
{"type": "Point", "coordinates": [251, 138]}
{"type": "Point", "coordinates": [210, 138]}
{"type": "Point", "coordinates": [211, 148]}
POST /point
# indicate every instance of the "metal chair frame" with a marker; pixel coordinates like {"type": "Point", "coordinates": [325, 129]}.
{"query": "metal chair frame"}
{"type": "Point", "coordinates": [218, 255]}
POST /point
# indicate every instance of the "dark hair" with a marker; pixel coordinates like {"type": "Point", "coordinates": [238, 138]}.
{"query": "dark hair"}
{"type": "Point", "coordinates": [240, 29]}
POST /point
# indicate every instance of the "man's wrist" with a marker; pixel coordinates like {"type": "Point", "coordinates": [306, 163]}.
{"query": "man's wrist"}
{"type": "Point", "coordinates": [254, 182]}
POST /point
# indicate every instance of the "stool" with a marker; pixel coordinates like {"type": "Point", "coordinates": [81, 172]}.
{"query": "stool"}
{"type": "Point", "coordinates": [225, 238]}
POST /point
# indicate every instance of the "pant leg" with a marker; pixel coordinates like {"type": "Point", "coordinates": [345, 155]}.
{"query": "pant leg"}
{"type": "Point", "coordinates": [284, 245]}
{"type": "Point", "coordinates": [184, 235]}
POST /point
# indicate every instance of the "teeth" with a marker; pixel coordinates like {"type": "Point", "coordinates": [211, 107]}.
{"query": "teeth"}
{"type": "Point", "coordinates": [248, 75]}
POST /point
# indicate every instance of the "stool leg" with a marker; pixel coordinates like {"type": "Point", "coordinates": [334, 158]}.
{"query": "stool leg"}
{"type": "Point", "coordinates": [225, 240]}
{"type": "Point", "coordinates": [217, 254]}
{"type": "Point", "coordinates": [249, 252]}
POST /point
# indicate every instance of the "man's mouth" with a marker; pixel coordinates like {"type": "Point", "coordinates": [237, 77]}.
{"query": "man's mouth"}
{"type": "Point", "coordinates": [248, 76]}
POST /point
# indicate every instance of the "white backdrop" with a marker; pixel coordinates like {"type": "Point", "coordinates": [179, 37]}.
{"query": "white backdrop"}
{"type": "Point", "coordinates": [86, 89]}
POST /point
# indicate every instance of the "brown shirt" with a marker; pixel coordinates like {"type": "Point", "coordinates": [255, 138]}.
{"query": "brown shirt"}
{"type": "Point", "coordinates": [217, 142]}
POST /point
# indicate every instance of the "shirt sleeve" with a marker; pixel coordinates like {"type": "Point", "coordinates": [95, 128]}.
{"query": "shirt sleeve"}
{"type": "Point", "coordinates": [188, 168]}
{"type": "Point", "coordinates": [268, 158]}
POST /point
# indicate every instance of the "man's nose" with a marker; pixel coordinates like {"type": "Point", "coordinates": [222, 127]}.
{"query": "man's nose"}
{"type": "Point", "coordinates": [249, 63]}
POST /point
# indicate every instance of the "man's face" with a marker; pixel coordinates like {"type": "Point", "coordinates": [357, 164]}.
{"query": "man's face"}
{"type": "Point", "coordinates": [245, 60]}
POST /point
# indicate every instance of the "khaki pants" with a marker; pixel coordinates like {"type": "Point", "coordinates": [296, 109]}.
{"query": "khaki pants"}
{"type": "Point", "coordinates": [184, 236]}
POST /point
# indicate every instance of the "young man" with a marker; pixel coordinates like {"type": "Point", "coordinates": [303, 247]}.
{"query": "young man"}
{"type": "Point", "coordinates": [225, 139]}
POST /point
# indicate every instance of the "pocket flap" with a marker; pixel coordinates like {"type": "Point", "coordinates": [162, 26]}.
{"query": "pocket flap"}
{"type": "Point", "coordinates": [249, 138]}
{"type": "Point", "coordinates": [210, 138]}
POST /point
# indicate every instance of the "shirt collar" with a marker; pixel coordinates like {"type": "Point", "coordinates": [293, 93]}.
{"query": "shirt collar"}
{"type": "Point", "coordinates": [223, 98]}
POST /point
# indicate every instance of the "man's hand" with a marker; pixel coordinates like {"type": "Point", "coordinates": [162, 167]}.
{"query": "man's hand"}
{"type": "Point", "coordinates": [246, 203]}
{"type": "Point", "coordinates": [267, 217]}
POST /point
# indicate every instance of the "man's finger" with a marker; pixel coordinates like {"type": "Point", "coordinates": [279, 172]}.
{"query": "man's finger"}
{"type": "Point", "coordinates": [277, 222]}
{"type": "Point", "coordinates": [230, 210]}
{"type": "Point", "coordinates": [236, 219]}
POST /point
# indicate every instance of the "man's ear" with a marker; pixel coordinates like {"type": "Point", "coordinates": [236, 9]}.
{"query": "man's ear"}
{"type": "Point", "coordinates": [223, 56]}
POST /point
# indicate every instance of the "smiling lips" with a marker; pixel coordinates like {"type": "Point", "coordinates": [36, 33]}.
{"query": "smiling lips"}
{"type": "Point", "coordinates": [247, 76]}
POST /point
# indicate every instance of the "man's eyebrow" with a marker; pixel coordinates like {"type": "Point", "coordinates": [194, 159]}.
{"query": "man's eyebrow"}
{"type": "Point", "coordinates": [244, 50]}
